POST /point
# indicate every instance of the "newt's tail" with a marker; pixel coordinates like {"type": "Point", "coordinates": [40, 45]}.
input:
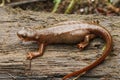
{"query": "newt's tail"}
{"type": "Point", "coordinates": [107, 37]}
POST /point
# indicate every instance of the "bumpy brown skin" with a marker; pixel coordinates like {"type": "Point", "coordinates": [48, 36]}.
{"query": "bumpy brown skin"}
{"type": "Point", "coordinates": [69, 32]}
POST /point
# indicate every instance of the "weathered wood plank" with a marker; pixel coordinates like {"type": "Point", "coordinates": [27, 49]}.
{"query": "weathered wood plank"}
{"type": "Point", "coordinates": [58, 60]}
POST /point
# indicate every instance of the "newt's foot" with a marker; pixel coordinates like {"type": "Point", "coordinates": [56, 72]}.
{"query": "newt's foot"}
{"type": "Point", "coordinates": [81, 46]}
{"type": "Point", "coordinates": [95, 22]}
{"type": "Point", "coordinates": [30, 55]}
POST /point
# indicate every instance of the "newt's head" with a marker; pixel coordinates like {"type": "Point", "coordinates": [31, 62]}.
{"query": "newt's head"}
{"type": "Point", "coordinates": [26, 35]}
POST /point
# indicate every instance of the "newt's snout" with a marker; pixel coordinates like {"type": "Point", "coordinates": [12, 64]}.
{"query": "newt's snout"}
{"type": "Point", "coordinates": [22, 34]}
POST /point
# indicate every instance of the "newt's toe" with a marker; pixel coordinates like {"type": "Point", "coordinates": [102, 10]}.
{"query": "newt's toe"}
{"type": "Point", "coordinates": [81, 47]}
{"type": "Point", "coordinates": [29, 56]}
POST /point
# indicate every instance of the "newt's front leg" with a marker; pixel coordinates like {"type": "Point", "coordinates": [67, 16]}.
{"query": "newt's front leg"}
{"type": "Point", "coordinates": [32, 55]}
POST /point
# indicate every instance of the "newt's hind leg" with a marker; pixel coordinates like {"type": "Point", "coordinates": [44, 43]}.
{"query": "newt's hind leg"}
{"type": "Point", "coordinates": [32, 55]}
{"type": "Point", "coordinates": [86, 41]}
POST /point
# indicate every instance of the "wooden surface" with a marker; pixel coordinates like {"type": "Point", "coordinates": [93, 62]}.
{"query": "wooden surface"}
{"type": "Point", "coordinates": [58, 60]}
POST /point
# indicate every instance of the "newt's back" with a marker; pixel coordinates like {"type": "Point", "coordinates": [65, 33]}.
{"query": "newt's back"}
{"type": "Point", "coordinates": [69, 32]}
{"type": "Point", "coordinates": [64, 32]}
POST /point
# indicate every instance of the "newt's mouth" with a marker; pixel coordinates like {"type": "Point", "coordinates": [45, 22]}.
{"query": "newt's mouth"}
{"type": "Point", "coordinates": [21, 38]}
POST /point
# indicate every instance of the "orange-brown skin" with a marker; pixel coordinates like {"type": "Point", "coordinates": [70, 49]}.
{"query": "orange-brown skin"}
{"type": "Point", "coordinates": [69, 32]}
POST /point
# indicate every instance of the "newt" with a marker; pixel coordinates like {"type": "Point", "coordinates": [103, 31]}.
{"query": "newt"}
{"type": "Point", "coordinates": [69, 32]}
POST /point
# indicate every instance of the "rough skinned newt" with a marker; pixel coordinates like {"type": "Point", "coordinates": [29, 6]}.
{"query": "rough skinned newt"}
{"type": "Point", "coordinates": [69, 32]}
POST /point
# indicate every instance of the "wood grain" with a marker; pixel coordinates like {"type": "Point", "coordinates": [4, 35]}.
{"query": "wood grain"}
{"type": "Point", "coordinates": [58, 60]}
